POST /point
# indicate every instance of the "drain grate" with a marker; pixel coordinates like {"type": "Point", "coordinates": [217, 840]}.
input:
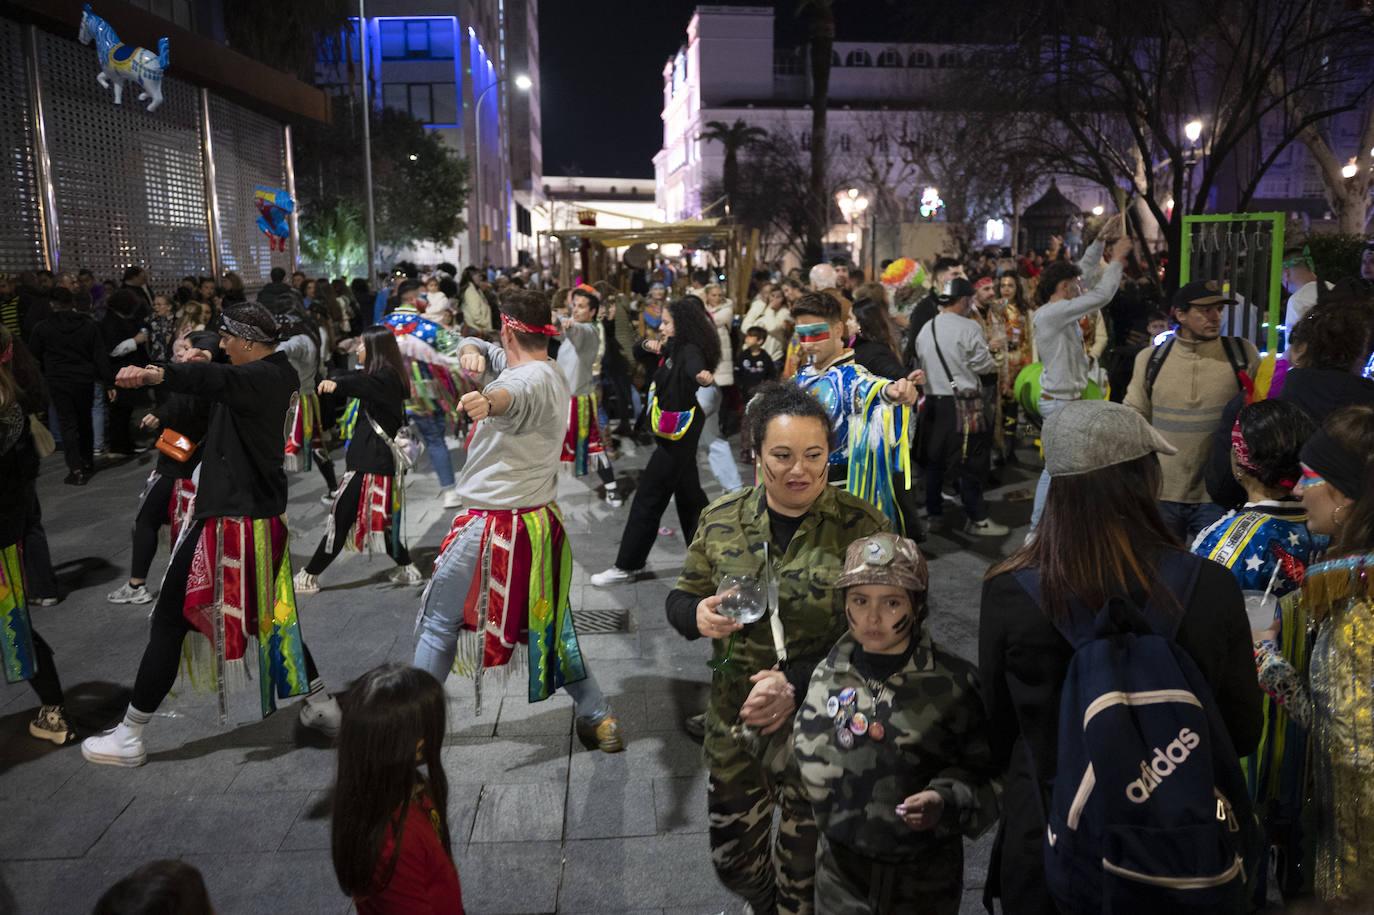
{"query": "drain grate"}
{"type": "Point", "coordinates": [602, 622]}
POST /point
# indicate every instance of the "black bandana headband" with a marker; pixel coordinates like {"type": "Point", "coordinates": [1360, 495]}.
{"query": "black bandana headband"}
{"type": "Point", "coordinates": [1339, 467]}
{"type": "Point", "coordinates": [245, 331]}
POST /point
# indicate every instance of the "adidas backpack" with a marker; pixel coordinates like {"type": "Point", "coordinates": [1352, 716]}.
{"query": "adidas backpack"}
{"type": "Point", "coordinates": [1149, 810]}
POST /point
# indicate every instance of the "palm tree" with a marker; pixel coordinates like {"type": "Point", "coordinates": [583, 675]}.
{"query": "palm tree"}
{"type": "Point", "coordinates": [821, 35]}
{"type": "Point", "coordinates": [733, 137]}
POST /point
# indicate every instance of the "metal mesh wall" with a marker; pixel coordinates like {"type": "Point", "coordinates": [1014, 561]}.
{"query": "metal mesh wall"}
{"type": "Point", "coordinates": [130, 186]}
{"type": "Point", "coordinates": [21, 246]}
{"type": "Point", "coordinates": [248, 151]}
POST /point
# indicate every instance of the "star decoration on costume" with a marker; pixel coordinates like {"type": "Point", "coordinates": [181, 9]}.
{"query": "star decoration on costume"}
{"type": "Point", "coordinates": [1293, 538]}
{"type": "Point", "coordinates": [1253, 564]}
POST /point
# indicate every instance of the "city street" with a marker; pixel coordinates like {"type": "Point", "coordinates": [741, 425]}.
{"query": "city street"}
{"type": "Point", "coordinates": [539, 824]}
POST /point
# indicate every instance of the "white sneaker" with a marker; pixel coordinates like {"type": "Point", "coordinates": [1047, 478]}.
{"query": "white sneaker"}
{"type": "Point", "coordinates": [327, 500]}
{"type": "Point", "coordinates": [405, 575]}
{"type": "Point", "coordinates": [452, 499]}
{"type": "Point", "coordinates": [118, 746]}
{"type": "Point", "coordinates": [324, 716]}
{"type": "Point", "coordinates": [614, 499]}
{"type": "Point", "coordinates": [129, 594]}
{"type": "Point", "coordinates": [613, 576]}
{"type": "Point", "coordinates": [986, 528]}
{"type": "Point", "coordinates": [305, 583]}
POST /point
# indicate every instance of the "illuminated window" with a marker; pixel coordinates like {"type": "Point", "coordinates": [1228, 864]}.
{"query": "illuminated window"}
{"type": "Point", "coordinates": [919, 59]}
{"type": "Point", "coordinates": [889, 58]}
{"type": "Point", "coordinates": [858, 58]}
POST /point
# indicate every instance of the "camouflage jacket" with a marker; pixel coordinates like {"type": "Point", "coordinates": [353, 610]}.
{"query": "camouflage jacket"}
{"type": "Point", "coordinates": [733, 537]}
{"type": "Point", "coordinates": [933, 736]}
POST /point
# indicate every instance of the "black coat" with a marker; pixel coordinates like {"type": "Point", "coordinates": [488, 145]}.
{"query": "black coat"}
{"type": "Point", "coordinates": [190, 416]}
{"type": "Point", "coordinates": [925, 309]}
{"type": "Point", "coordinates": [878, 358]}
{"type": "Point", "coordinates": [241, 471]}
{"type": "Point", "coordinates": [71, 350]}
{"type": "Point", "coordinates": [675, 381]}
{"type": "Point", "coordinates": [381, 396]}
{"type": "Point", "coordinates": [116, 329]}
{"type": "Point", "coordinates": [1023, 661]}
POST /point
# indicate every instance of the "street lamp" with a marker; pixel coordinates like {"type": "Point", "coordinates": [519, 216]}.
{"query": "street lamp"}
{"type": "Point", "coordinates": [851, 205]}
{"type": "Point", "coordinates": [522, 82]}
{"type": "Point", "coordinates": [1192, 154]}
{"type": "Point", "coordinates": [1098, 210]}
{"type": "Point", "coordinates": [1350, 169]}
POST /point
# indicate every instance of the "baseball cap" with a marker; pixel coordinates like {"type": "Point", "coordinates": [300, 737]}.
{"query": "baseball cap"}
{"type": "Point", "coordinates": [1087, 435]}
{"type": "Point", "coordinates": [955, 288]}
{"type": "Point", "coordinates": [1201, 292]}
{"type": "Point", "coordinates": [884, 559]}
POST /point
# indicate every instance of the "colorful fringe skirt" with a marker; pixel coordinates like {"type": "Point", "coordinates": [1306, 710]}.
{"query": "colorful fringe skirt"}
{"type": "Point", "coordinates": [16, 638]}
{"type": "Point", "coordinates": [379, 509]}
{"type": "Point", "coordinates": [582, 447]}
{"type": "Point", "coordinates": [520, 594]}
{"type": "Point", "coordinates": [239, 587]}
{"type": "Point", "coordinates": [306, 435]}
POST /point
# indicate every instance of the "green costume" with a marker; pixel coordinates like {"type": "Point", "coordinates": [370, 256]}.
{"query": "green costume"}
{"type": "Point", "coordinates": [750, 778]}
{"type": "Point", "coordinates": [922, 728]}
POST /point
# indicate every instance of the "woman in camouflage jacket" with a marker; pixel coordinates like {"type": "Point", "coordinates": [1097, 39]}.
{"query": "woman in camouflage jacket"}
{"type": "Point", "coordinates": [790, 532]}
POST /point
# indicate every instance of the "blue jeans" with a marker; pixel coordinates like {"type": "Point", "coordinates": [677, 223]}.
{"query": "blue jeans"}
{"type": "Point", "coordinates": [1042, 488]}
{"type": "Point", "coordinates": [1188, 519]}
{"type": "Point", "coordinates": [718, 453]}
{"type": "Point", "coordinates": [432, 427]}
{"type": "Point", "coordinates": [443, 615]}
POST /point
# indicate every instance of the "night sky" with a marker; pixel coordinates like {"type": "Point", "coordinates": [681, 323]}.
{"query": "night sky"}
{"type": "Point", "coordinates": [601, 70]}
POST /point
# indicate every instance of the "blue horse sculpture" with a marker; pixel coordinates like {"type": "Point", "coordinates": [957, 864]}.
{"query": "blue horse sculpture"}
{"type": "Point", "coordinates": [120, 62]}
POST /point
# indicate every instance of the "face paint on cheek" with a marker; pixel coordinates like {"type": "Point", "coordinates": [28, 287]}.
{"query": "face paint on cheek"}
{"type": "Point", "coordinates": [813, 333]}
{"type": "Point", "coordinates": [768, 475]}
{"type": "Point", "coordinates": [902, 625]}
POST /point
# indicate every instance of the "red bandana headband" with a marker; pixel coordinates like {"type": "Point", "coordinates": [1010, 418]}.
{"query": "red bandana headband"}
{"type": "Point", "coordinates": [547, 330]}
{"type": "Point", "coordinates": [7, 354]}
{"type": "Point", "coordinates": [1242, 453]}
{"type": "Point", "coordinates": [982, 281]}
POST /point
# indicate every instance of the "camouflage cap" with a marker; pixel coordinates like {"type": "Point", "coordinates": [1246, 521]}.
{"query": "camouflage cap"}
{"type": "Point", "coordinates": [884, 559]}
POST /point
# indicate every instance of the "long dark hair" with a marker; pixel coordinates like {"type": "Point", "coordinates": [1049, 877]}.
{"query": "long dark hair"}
{"type": "Point", "coordinates": [874, 325]}
{"type": "Point", "coordinates": [692, 324]}
{"type": "Point", "coordinates": [1099, 536]}
{"type": "Point", "coordinates": [393, 723]}
{"type": "Point", "coordinates": [382, 352]}
{"type": "Point", "coordinates": [1353, 430]}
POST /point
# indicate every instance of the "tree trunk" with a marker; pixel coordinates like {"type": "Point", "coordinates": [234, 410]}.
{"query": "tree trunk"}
{"type": "Point", "coordinates": [729, 178]}
{"type": "Point", "coordinates": [822, 33]}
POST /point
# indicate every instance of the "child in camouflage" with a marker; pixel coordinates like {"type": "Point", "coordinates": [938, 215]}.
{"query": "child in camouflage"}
{"type": "Point", "coordinates": [893, 748]}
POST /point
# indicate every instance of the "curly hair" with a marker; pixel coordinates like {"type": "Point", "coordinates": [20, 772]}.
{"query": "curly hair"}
{"type": "Point", "coordinates": [1335, 334]}
{"type": "Point", "coordinates": [782, 398]}
{"type": "Point", "coordinates": [1053, 275]}
{"type": "Point", "coordinates": [692, 324]}
{"type": "Point", "coordinates": [1274, 432]}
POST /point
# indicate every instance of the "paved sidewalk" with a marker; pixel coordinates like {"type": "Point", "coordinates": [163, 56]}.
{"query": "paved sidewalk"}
{"type": "Point", "coordinates": [539, 824]}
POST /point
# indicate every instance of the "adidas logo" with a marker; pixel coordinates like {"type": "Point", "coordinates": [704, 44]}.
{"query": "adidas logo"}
{"type": "Point", "coordinates": [1153, 771]}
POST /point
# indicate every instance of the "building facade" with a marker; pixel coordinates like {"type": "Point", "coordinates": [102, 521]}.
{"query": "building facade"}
{"type": "Point", "coordinates": [102, 186]}
{"type": "Point", "coordinates": [468, 71]}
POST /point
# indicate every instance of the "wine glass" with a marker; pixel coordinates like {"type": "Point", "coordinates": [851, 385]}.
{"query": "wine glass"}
{"type": "Point", "coordinates": [742, 598]}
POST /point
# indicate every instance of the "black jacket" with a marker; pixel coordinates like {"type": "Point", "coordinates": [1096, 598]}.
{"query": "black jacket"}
{"type": "Point", "coordinates": [1023, 661]}
{"type": "Point", "coordinates": [71, 350]}
{"type": "Point", "coordinates": [381, 396]}
{"type": "Point", "coordinates": [116, 329]}
{"type": "Point", "coordinates": [675, 382]}
{"type": "Point", "coordinates": [241, 471]}
{"type": "Point", "coordinates": [1319, 392]}
{"type": "Point", "coordinates": [878, 358]}
{"type": "Point", "coordinates": [925, 309]}
{"type": "Point", "coordinates": [190, 416]}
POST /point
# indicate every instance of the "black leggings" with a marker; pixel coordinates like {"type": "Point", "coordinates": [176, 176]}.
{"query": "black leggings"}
{"type": "Point", "coordinates": [44, 682]}
{"type": "Point", "coordinates": [345, 513]}
{"type": "Point", "coordinates": [157, 672]}
{"type": "Point", "coordinates": [326, 465]}
{"type": "Point", "coordinates": [670, 474]}
{"type": "Point", "coordinates": [152, 514]}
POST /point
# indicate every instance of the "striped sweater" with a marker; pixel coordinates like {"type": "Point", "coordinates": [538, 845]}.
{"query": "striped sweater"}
{"type": "Point", "coordinates": [1191, 391]}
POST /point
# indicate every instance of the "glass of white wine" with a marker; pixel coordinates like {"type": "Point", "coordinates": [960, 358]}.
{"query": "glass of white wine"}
{"type": "Point", "coordinates": [742, 598]}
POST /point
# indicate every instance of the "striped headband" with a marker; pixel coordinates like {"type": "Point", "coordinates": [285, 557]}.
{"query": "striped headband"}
{"type": "Point", "coordinates": [547, 330]}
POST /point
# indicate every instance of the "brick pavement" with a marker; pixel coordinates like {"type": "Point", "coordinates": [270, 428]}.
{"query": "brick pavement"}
{"type": "Point", "coordinates": [539, 824]}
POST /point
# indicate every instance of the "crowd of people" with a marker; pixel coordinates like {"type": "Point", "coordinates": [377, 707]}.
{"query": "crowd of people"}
{"type": "Point", "coordinates": [1193, 584]}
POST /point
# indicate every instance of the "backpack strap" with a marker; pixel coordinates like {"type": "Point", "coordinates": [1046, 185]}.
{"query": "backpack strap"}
{"type": "Point", "coordinates": [1235, 352]}
{"type": "Point", "coordinates": [1161, 352]}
